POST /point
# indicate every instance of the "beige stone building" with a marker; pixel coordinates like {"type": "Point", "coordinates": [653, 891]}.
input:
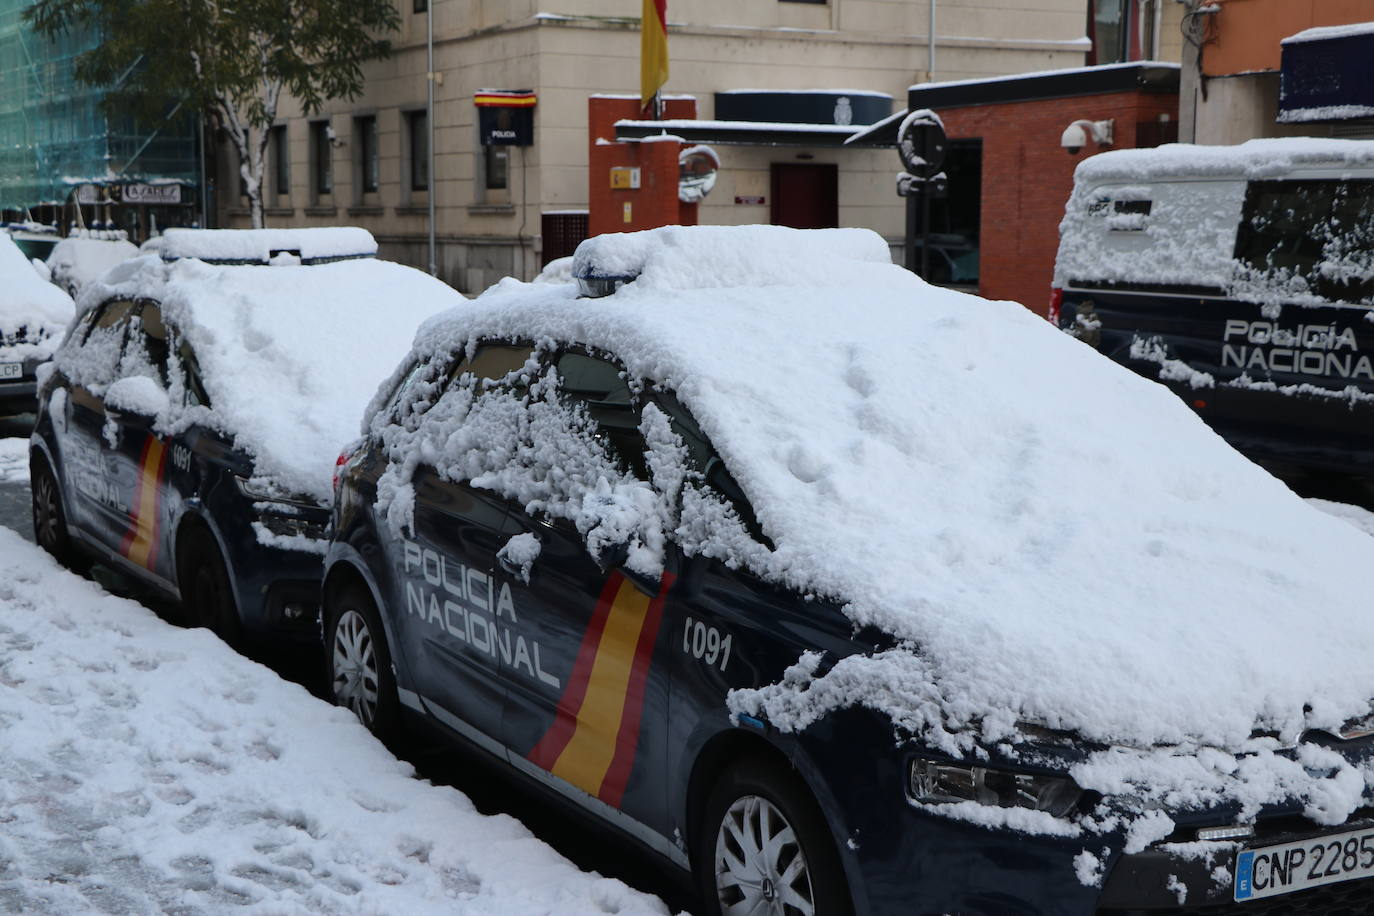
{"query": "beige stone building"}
{"type": "Point", "coordinates": [363, 162]}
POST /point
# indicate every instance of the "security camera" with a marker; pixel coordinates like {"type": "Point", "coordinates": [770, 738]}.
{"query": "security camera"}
{"type": "Point", "coordinates": [1074, 138]}
{"type": "Point", "coordinates": [1076, 135]}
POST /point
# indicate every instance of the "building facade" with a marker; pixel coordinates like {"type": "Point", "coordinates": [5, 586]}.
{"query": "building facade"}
{"type": "Point", "coordinates": [507, 209]}
{"type": "Point", "coordinates": [65, 160]}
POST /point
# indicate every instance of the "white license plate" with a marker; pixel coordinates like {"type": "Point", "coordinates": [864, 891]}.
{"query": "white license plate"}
{"type": "Point", "coordinates": [1273, 870]}
{"type": "Point", "coordinates": [11, 370]}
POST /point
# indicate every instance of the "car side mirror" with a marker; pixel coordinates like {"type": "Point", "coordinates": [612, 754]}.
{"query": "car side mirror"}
{"type": "Point", "coordinates": [613, 558]}
{"type": "Point", "coordinates": [139, 395]}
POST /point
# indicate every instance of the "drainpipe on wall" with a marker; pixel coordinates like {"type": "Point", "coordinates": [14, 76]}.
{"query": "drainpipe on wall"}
{"type": "Point", "coordinates": [930, 46]}
{"type": "Point", "coordinates": [429, 126]}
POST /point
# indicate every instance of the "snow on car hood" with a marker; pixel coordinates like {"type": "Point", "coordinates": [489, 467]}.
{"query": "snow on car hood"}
{"type": "Point", "coordinates": [30, 302]}
{"type": "Point", "coordinates": [1051, 537]}
{"type": "Point", "coordinates": [289, 355]}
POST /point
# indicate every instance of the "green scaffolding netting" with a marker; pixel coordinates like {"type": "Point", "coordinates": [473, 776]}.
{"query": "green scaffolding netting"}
{"type": "Point", "coordinates": [54, 134]}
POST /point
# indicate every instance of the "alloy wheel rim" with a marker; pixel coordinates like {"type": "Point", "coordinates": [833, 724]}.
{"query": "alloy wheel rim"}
{"type": "Point", "coordinates": [355, 666]}
{"type": "Point", "coordinates": [760, 867]}
{"type": "Point", "coordinates": [45, 521]}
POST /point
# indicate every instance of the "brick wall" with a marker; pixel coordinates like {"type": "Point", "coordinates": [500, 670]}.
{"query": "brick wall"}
{"type": "Point", "coordinates": [655, 202]}
{"type": "Point", "coordinates": [1027, 177]}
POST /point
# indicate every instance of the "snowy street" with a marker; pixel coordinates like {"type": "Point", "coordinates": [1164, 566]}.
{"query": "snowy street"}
{"type": "Point", "coordinates": [151, 769]}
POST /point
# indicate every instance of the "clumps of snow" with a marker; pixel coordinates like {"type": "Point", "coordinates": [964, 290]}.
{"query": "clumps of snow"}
{"type": "Point", "coordinates": [520, 552]}
{"type": "Point", "coordinates": [296, 542]}
{"type": "Point", "coordinates": [288, 355]}
{"type": "Point", "coordinates": [1329, 32]}
{"type": "Point", "coordinates": [948, 470]}
{"type": "Point", "coordinates": [1151, 350]}
{"type": "Point", "coordinates": [1178, 888]}
{"type": "Point", "coordinates": [559, 270]}
{"type": "Point", "coordinates": [14, 460]}
{"type": "Point", "coordinates": [76, 261]}
{"type": "Point", "coordinates": [259, 245]}
{"type": "Point", "coordinates": [151, 769]}
{"type": "Point", "coordinates": [1267, 158]}
{"type": "Point", "coordinates": [1089, 868]}
{"type": "Point", "coordinates": [33, 312]}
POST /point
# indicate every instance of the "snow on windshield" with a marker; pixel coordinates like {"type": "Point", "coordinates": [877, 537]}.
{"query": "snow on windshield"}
{"type": "Point", "coordinates": [151, 769]}
{"type": "Point", "coordinates": [29, 302]}
{"type": "Point", "coordinates": [1044, 532]}
{"type": "Point", "coordinates": [289, 356]}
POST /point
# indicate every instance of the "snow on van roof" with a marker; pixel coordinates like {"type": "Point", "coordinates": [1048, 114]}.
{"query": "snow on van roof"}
{"type": "Point", "coordinates": [1328, 32]}
{"type": "Point", "coordinates": [258, 245]}
{"type": "Point", "coordinates": [1051, 537]}
{"type": "Point", "coordinates": [290, 355]}
{"type": "Point", "coordinates": [1253, 159]}
{"type": "Point", "coordinates": [28, 300]}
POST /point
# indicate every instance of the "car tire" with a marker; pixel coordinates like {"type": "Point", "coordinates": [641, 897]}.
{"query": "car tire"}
{"type": "Point", "coordinates": [751, 806]}
{"type": "Point", "coordinates": [49, 517]}
{"type": "Point", "coordinates": [207, 595]}
{"type": "Point", "coordinates": [358, 661]}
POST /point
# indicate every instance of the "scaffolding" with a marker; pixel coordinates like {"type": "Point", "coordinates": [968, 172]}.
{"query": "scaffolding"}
{"type": "Point", "coordinates": [55, 135]}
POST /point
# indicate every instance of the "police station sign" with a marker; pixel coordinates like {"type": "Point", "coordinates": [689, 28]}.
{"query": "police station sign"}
{"type": "Point", "coordinates": [505, 117]}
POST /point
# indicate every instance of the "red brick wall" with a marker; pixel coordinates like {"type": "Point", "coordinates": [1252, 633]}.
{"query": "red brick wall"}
{"type": "Point", "coordinates": [1027, 177]}
{"type": "Point", "coordinates": [655, 202]}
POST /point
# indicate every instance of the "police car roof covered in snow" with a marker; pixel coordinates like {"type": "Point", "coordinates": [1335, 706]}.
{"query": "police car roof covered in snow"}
{"type": "Point", "coordinates": [260, 246]}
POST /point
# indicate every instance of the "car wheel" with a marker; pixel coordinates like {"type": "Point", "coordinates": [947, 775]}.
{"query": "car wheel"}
{"type": "Point", "coordinates": [358, 661]}
{"type": "Point", "coordinates": [49, 519]}
{"type": "Point", "coordinates": [207, 596]}
{"type": "Point", "coordinates": [764, 848]}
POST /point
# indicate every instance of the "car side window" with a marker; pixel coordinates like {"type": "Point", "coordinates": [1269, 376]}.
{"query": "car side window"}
{"type": "Point", "coordinates": [600, 387]}
{"type": "Point", "coordinates": [195, 395]}
{"type": "Point", "coordinates": [492, 362]}
{"type": "Point", "coordinates": [708, 464]}
{"type": "Point", "coordinates": [148, 348]}
{"type": "Point", "coordinates": [96, 360]}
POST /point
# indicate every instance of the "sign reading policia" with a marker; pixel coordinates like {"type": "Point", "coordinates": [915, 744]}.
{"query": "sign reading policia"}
{"type": "Point", "coordinates": [505, 117]}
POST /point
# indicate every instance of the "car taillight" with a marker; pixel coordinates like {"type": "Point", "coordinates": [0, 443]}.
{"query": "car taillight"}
{"type": "Point", "coordinates": [1056, 304]}
{"type": "Point", "coordinates": [344, 457]}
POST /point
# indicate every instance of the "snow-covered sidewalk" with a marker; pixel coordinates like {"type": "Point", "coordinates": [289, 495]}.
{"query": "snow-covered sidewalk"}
{"type": "Point", "coordinates": [149, 769]}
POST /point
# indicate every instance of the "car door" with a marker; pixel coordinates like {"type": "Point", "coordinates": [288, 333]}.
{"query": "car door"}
{"type": "Point", "coordinates": [454, 629]}
{"type": "Point", "coordinates": [589, 704]}
{"type": "Point", "coordinates": [91, 476]}
{"type": "Point", "coordinates": [141, 455]}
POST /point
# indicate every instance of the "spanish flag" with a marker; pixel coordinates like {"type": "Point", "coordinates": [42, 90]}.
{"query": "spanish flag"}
{"type": "Point", "coordinates": [653, 50]}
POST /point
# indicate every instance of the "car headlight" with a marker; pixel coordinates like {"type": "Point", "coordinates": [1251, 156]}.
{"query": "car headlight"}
{"type": "Point", "coordinates": [936, 782]}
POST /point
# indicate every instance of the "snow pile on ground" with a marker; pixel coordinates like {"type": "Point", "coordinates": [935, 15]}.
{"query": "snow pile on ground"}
{"type": "Point", "coordinates": [14, 460]}
{"type": "Point", "coordinates": [75, 262]}
{"type": "Point", "coordinates": [1045, 525]}
{"type": "Point", "coordinates": [151, 769]}
{"type": "Point", "coordinates": [30, 303]}
{"type": "Point", "coordinates": [289, 355]}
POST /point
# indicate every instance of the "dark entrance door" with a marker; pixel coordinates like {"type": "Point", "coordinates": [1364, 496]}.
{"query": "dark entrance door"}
{"type": "Point", "coordinates": [805, 196]}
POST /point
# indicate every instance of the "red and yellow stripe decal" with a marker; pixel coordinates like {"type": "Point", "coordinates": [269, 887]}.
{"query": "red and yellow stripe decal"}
{"type": "Point", "coordinates": [140, 543]}
{"type": "Point", "coordinates": [493, 99]}
{"type": "Point", "coordinates": [595, 732]}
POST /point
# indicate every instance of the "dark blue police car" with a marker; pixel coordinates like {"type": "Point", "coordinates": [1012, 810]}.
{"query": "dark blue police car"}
{"type": "Point", "coordinates": [178, 425]}
{"type": "Point", "coordinates": [33, 315]}
{"type": "Point", "coordinates": [539, 546]}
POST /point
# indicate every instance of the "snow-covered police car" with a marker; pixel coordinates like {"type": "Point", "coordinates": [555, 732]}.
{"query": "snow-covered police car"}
{"type": "Point", "coordinates": [33, 315]}
{"type": "Point", "coordinates": [762, 550]}
{"type": "Point", "coordinates": [1242, 278]}
{"type": "Point", "coordinates": [186, 427]}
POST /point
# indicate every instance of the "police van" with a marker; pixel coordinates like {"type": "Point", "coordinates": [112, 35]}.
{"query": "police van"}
{"type": "Point", "coordinates": [1242, 278]}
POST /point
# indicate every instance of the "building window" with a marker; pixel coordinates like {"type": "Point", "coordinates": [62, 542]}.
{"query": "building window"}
{"type": "Point", "coordinates": [365, 142]}
{"type": "Point", "coordinates": [281, 162]}
{"type": "Point", "coordinates": [417, 132]}
{"type": "Point", "coordinates": [1122, 30]}
{"type": "Point", "coordinates": [421, 6]}
{"type": "Point", "coordinates": [956, 217]}
{"type": "Point", "coordinates": [322, 157]}
{"type": "Point", "coordinates": [497, 162]}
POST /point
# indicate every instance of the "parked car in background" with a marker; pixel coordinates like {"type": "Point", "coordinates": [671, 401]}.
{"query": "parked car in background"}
{"type": "Point", "coordinates": [765, 553]}
{"type": "Point", "coordinates": [35, 240]}
{"type": "Point", "coordinates": [78, 259]}
{"type": "Point", "coordinates": [187, 431]}
{"type": "Point", "coordinates": [33, 317]}
{"type": "Point", "coordinates": [1240, 277]}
